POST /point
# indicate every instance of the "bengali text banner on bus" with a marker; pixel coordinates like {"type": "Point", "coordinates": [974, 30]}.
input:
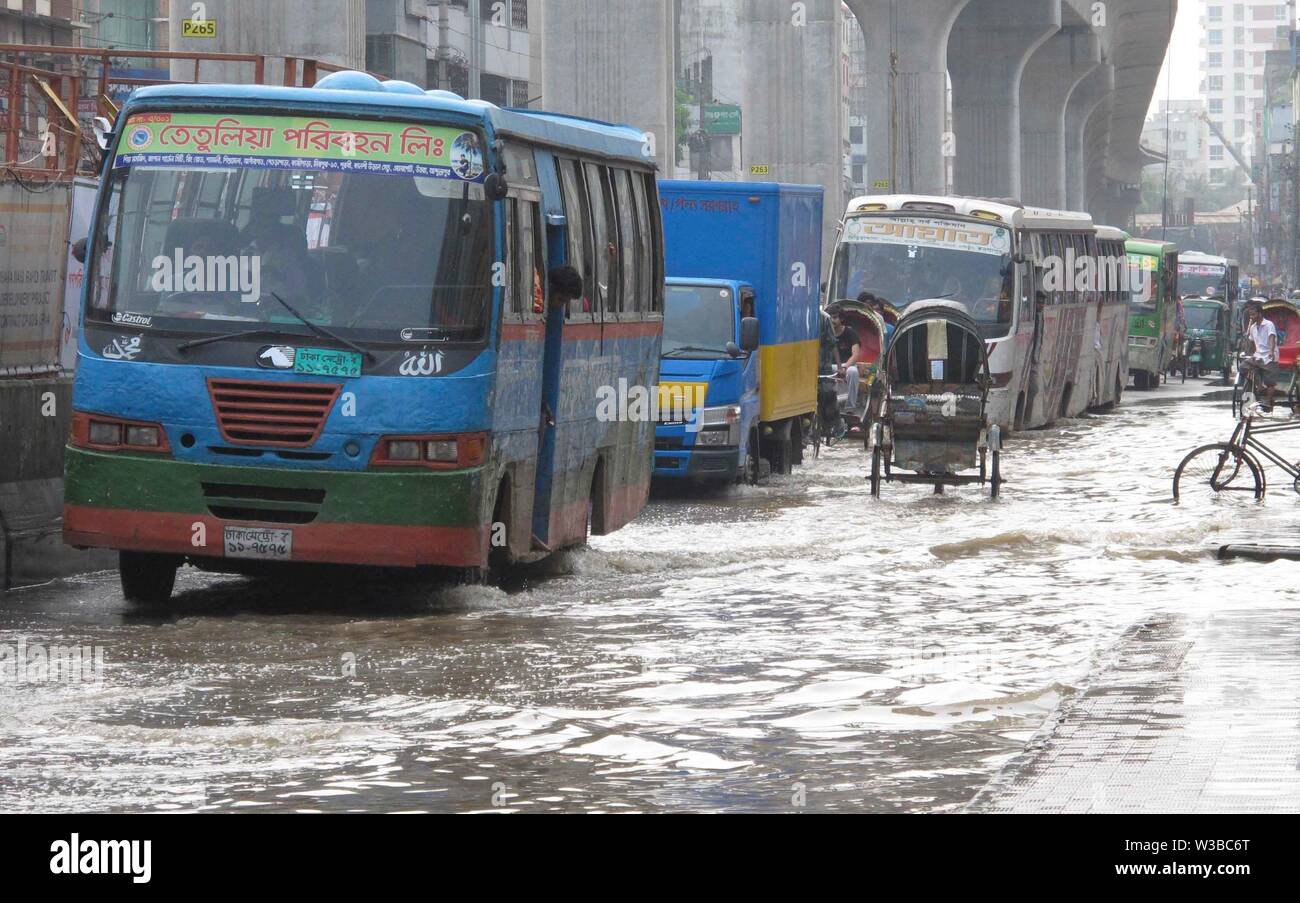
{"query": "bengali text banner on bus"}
{"type": "Point", "coordinates": [957, 236]}
{"type": "Point", "coordinates": [321, 143]}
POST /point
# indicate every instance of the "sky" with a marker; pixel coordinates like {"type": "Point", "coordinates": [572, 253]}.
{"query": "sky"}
{"type": "Point", "coordinates": [1184, 58]}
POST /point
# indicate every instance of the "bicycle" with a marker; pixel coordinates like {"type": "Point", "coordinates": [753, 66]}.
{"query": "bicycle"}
{"type": "Point", "coordinates": [1234, 466]}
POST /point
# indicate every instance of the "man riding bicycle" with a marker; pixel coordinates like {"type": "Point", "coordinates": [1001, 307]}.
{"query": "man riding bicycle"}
{"type": "Point", "coordinates": [1263, 360]}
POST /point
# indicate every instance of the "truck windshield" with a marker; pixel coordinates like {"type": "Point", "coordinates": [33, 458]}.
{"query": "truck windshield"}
{"type": "Point", "coordinates": [906, 259]}
{"type": "Point", "coordinates": [364, 248]}
{"type": "Point", "coordinates": [699, 321]}
{"type": "Point", "coordinates": [1204, 280]}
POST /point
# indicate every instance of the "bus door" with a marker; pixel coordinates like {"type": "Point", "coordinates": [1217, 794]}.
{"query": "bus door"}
{"type": "Point", "coordinates": [557, 254]}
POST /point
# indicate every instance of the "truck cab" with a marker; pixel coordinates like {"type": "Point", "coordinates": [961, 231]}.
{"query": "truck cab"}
{"type": "Point", "coordinates": [708, 380]}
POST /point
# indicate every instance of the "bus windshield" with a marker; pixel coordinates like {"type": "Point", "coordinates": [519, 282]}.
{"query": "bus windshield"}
{"type": "Point", "coordinates": [365, 249]}
{"type": "Point", "coordinates": [1205, 280]}
{"type": "Point", "coordinates": [1143, 269]}
{"type": "Point", "coordinates": [904, 259]}
{"type": "Point", "coordinates": [699, 321]}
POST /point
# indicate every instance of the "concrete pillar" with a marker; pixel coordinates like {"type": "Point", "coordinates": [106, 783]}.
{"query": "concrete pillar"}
{"type": "Point", "coordinates": [1050, 78]}
{"type": "Point", "coordinates": [794, 98]}
{"type": "Point", "coordinates": [329, 30]}
{"type": "Point", "coordinates": [991, 43]}
{"type": "Point", "coordinates": [614, 60]}
{"type": "Point", "coordinates": [1087, 95]}
{"type": "Point", "coordinates": [906, 77]}
{"type": "Point", "coordinates": [1096, 148]}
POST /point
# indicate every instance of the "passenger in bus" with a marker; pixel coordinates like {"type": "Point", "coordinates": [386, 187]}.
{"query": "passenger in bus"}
{"type": "Point", "coordinates": [281, 247]}
{"type": "Point", "coordinates": [566, 285]}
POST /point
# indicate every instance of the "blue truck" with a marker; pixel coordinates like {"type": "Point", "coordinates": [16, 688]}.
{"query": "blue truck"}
{"type": "Point", "coordinates": [738, 371]}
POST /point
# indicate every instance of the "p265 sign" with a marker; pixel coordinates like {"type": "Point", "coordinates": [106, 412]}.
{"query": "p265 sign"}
{"type": "Point", "coordinates": [198, 28]}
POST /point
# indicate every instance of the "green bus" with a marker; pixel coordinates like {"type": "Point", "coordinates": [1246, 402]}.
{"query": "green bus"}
{"type": "Point", "coordinates": [1153, 309]}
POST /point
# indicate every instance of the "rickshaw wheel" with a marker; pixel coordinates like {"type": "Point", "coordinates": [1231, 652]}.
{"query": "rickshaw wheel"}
{"type": "Point", "coordinates": [876, 455]}
{"type": "Point", "coordinates": [995, 483]}
{"type": "Point", "coordinates": [984, 457]}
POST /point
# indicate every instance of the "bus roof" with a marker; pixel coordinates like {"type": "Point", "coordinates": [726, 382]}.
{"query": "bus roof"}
{"type": "Point", "coordinates": [1200, 257]}
{"type": "Point", "coordinates": [356, 93]}
{"type": "Point", "coordinates": [1110, 233]}
{"type": "Point", "coordinates": [1150, 246]}
{"type": "Point", "coordinates": [994, 210]}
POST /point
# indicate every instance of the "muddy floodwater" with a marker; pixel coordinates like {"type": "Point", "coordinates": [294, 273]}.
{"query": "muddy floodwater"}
{"type": "Point", "coordinates": [794, 644]}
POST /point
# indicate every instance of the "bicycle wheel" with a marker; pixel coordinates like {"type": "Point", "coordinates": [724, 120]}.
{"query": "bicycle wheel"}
{"type": "Point", "coordinates": [1219, 470]}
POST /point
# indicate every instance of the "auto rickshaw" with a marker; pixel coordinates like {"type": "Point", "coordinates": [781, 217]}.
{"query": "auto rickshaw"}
{"type": "Point", "coordinates": [929, 410]}
{"type": "Point", "coordinates": [1207, 344]}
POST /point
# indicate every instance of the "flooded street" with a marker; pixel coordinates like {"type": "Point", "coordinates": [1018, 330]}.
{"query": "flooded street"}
{"type": "Point", "coordinates": [792, 644]}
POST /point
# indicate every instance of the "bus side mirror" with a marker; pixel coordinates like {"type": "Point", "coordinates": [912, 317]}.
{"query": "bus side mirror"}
{"type": "Point", "coordinates": [749, 338]}
{"type": "Point", "coordinates": [496, 186]}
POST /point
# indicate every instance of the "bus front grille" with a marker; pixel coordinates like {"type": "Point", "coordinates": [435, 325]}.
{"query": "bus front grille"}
{"type": "Point", "coordinates": [269, 504]}
{"type": "Point", "coordinates": [282, 414]}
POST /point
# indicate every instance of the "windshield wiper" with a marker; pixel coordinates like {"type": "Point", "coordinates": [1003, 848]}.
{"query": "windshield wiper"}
{"type": "Point", "coordinates": [186, 346]}
{"type": "Point", "coordinates": [693, 348]}
{"type": "Point", "coordinates": [322, 331]}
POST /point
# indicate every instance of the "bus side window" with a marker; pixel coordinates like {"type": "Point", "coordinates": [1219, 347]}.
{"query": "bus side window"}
{"type": "Point", "coordinates": [656, 246]}
{"type": "Point", "coordinates": [633, 301]}
{"type": "Point", "coordinates": [506, 268]}
{"type": "Point", "coordinates": [527, 276]}
{"type": "Point", "coordinates": [605, 237]}
{"type": "Point", "coordinates": [645, 272]}
{"type": "Point", "coordinates": [579, 237]}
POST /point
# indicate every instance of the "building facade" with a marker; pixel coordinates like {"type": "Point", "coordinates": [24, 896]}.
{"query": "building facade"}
{"type": "Point", "coordinates": [1235, 40]}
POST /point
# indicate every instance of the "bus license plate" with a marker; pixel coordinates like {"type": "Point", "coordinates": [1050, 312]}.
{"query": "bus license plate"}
{"type": "Point", "coordinates": [257, 542]}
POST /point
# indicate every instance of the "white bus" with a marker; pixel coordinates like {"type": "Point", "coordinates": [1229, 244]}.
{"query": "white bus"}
{"type": "Point", "coordinates": [1111, 333]}
{"type": "Point", "coordinates": [992, 257]}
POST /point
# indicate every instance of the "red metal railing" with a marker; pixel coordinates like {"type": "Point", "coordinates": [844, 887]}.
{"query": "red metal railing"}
{"type": "Point", "coordinates": [28, 70]}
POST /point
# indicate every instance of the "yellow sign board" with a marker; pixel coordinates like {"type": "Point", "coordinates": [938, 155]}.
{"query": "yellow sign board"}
{"type": "Point", "coordinates": [880, 184]}
{"type": "Point", "coordinates": [198, 28]}
{"type": "Point", "coordinates": [760, 169]}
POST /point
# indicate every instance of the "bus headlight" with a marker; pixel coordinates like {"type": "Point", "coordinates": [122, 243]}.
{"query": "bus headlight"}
{"type": "Point", "coordinates": [103, 433]}
{"type": "Point", "coordinates": [435, 452]}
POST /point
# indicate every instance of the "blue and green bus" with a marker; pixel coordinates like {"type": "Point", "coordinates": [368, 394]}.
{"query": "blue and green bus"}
{"type": "Point", "coordinates": [318, 327]}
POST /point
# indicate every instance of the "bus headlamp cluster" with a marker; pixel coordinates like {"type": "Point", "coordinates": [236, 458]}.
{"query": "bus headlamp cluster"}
{"type": "Point", "coordinates": [112, 434]}
{"type": "Point", "coordinates": [443, 452]}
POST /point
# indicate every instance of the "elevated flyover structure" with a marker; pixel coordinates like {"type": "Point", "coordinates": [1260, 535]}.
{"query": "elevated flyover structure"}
{"type": "Point", "coordinates": [1038, 99]}
{"type": "Point", "coordinates": [1048, 97]}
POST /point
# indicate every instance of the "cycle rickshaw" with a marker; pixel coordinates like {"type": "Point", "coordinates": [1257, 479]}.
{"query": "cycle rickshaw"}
{"type": "Point", "coordinates": [929, 407]}
{"type": "Point", "coordinates": [1285, 317]}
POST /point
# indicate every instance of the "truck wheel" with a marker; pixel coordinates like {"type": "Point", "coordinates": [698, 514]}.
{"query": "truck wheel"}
{"type": "Point", "coordinates": [147, 578]}
{"type": "Point", "coordinates": [780, 456]}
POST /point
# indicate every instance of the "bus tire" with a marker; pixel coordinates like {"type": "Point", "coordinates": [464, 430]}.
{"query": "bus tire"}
{"type": "Point", "coordinates": [1018, 424]}
{"type": "Point", "coordinates": [147, 578]}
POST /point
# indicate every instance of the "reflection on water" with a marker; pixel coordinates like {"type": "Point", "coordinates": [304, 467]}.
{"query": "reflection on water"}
{"type": "Point", "coordinates": [791, 644]}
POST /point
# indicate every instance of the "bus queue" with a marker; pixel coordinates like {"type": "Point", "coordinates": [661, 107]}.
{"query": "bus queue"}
{"type": "Point", "coordinates": [370, 325]}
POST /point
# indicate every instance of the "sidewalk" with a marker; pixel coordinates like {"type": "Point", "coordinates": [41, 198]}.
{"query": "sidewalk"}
{"type": "Point", "coordinates": [1188, 716]}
